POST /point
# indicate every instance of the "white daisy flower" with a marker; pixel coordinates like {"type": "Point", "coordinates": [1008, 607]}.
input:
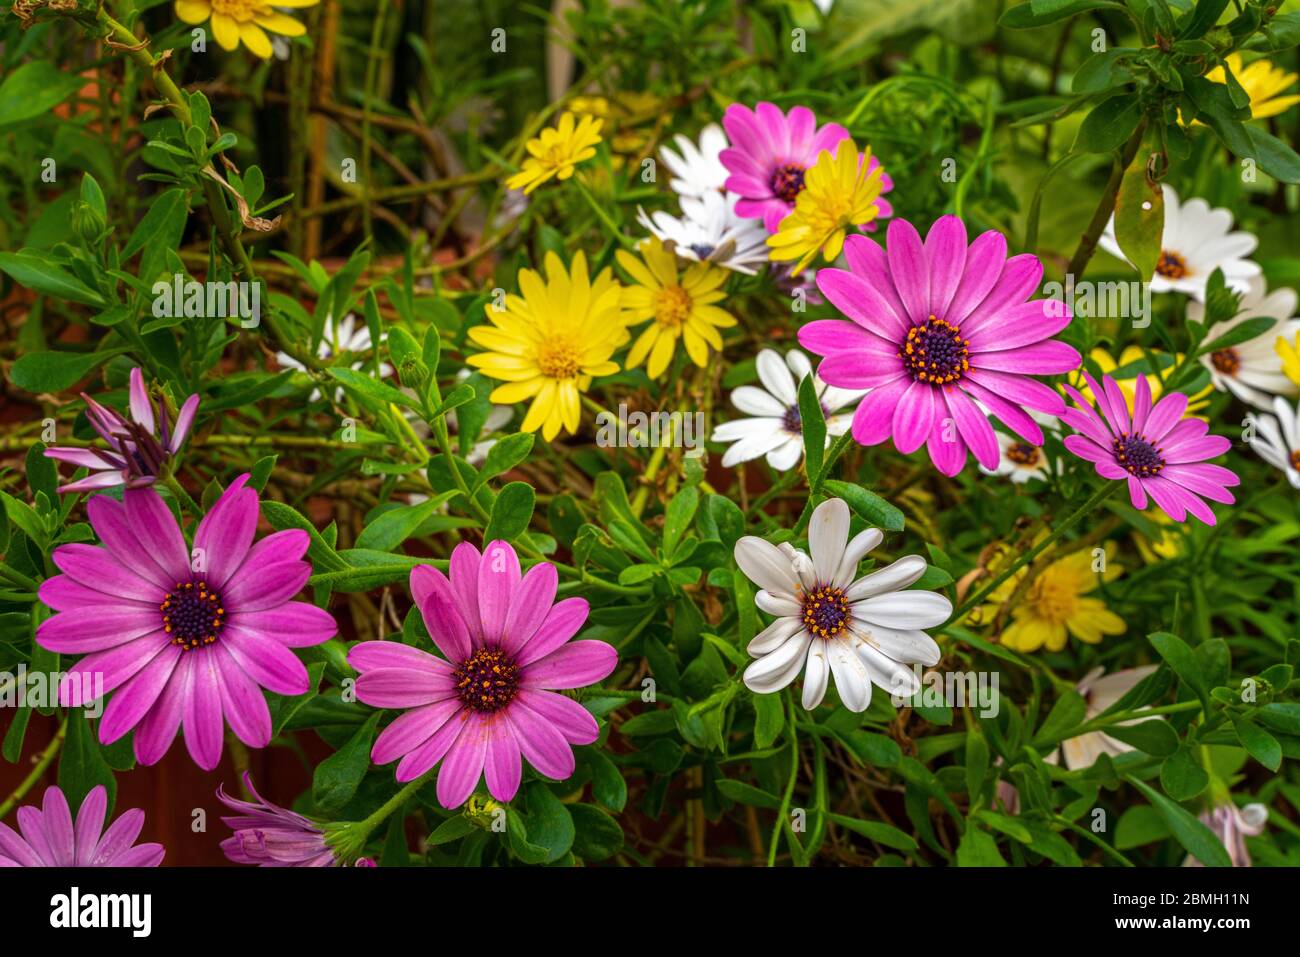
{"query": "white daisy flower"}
{"type": "Point", "coordinates": [861, 630]}
{"type": "Point", "coordinates": [1196, 241]}
{"type": "Point", "coordinates": [710, 231]}
{"type": "Point", "coordinates": [1252, 370]}
{"type": "Point", "coordinates": [1099, 693]}
{"type": "Point", "coordinates": [349, 336]}
{"type": "Point", "coordinates": [776, 429]}
{"type": "Point", "coordinates": [1019, 460]}
{"type": "Point", "coordinates": [696, 169]}
{"type": "Point", "coordinates": [1277, 438]}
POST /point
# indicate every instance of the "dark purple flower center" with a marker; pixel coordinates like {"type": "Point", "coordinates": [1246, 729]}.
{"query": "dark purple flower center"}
{"type": "Point", "coordinates": [935, 352]}
{"type": "Point", "coordinates": [488, 680]}
{"type": "Point", "coordinates": [192, 615]}
{"type": "Point", "coordinates": [702, 250]}
{"type": "Point", "coordinates": [1022, 453]}
{"type": "Point", "coordinates": [1226, 361]}
{"type": "Point", "coordinates": [825, 611]}
{"type": "Point", "coordinates": [1137, 456]}
{"type": "Point", "coordinates": [787, 182]}
{"type": "Point", "coordinates": [792, 422]}
{"type": "Point", "coordinates": [1171, 265]}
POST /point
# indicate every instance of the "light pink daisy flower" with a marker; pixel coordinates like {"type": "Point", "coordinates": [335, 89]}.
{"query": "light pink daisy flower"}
{"type": "Point", "coordinates": [1156, 450]}
{"type": "Point", "coordinates": [180, 636]}
{"type": "Point", "coordinates": [51, 839]}
{"type": "Point", "coordinates": [942, 335]}
{"type": "Point", "coordinates": [271, 836]}
{"type": "Point", "coordinates": [491, 697]}
{"type": "Point", "coordinates": [138, 447]}
{"type": "Point", "coordinates": [770, 152]}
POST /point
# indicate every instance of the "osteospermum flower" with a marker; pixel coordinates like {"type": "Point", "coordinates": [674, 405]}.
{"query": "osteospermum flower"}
{"type": "Point", "coordinates": [770, 156]}
{"type": "Point", "coordinates": [350, 336]}
{"type": "Point", "coordinates": [139, 449]}
{"type": "Point", "coordinates": [864, 630]}
{"type": "Point", "coordinates": [678, 307]}
{"type": "Point", "coordinates": [1132, 358]}
{"type": "Point", "coordinates": [271, 836]}
{"type": "Point", "coordinates": [1276, 438]}
{"type": "Point", "coordinates": [1156, 450]}
{"type": "Point", "coordinates": [840, 195]}
{"type": "Point", "coordinates": [547, 343]}
{"type": "Point", "coordinates": [775, 429]}
{"type": "Point", "coordinates": [1099, 693]}
{"type": "Point", "coordinates": [492, 697]}
{"type": "Point", "coordinates": [1232, 825]}
{"type": "Point", "coordinates": [1252, 370]}
{"type": "Point", "coordinates": [1262, 82]}
{"type": "Point", "coordinates": [697, 170]}
{"type": "Point", "coordinates": [710, 231]}
{"type": "Point", "coordinates": [557, 151]}
{"type": "Point", "coordinates": [1196, 241]}
{"type": "Point", "coordinates": [1019, 460]}
{"type": "Point", "coordinates": [1057, 604]}
{"type": "Point", "coordinates": [182, 637]}
{"type": "Point", "coordinates": [246, 21]}
{"type": "Point", "coordinates": [50, 838]}
{"type": "Point", "coordinates": [940, 332]}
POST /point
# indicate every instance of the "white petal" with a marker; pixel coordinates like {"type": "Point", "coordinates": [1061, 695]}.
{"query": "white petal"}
{"type": "Point", "coordinates": [893, 577]}
{"type": "Point", "coordinates": [828, 533]}
{"type": "Point", "coordinates": [779, 606]}
{"type": "Point", "coordinates": [906, 645]}
{"type": "Point", "coordinates": [815, 676]}
{"type": "Point", "coordinates": [862, 543]}
{"type": "Point", "coordinates": [764, 565]}
{"type": "Point", "coordinates": [786, 455]}
{"type": "Point", "coordinates": [771, 637]}
{"type": "Point", "coordinates": [852, 678]}
{"type": "Point", "coordinates": [773, 672]}
{"type": "Point", "coordinates": [776, 377]}
{"type": "Point", "coordinates": [896, 678]}
{"type": "Point", "coordinates": [755, 401]}
{"type": "Point", "coordinates": [905, 609]}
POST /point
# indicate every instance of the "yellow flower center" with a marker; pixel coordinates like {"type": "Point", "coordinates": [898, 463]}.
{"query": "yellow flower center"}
{"type": "Point", "coordinates": [559, 360]}
{"type": "Point", "coordinates": [1053, 598]}
{"type": "Point", "coordinates": [1171, 265]}
{"type": "Point", "coordinates": [241, 10]}
{"type": "Point", "coordinates": [672, 307]}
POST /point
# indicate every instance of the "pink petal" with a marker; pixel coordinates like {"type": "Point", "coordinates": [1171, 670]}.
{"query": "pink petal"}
{"type": "Point", "coordinates": [1049, 357]}
{"type": "Point", "coordinates": [946, 447]}
{"type": "Point", "coordinates": [541, 742]}
{"type": "Point", "coordinates": [572, 720]}
{"type": "Point", "coordinates": [89, 629]}
{"type": "Point", "coordinates": [985, 260]}
{"type": "Point", "coordinates": [974, 427]}
{"type": "Point", "coordinates": [438, 607]}
{"type": "Point", "coordinates": [141, 407]}
{"type": "Point", "coordinates": [95, 568]}
{"type": "Point", "coordinates": [121, 539]}
{"type": "Point", "coordinates": [463, 765]}
{"type": "Point", "coordinates": [1021, 325]}
{"type": "Point", "coordinates": [826, 337]}
{"type": "Point", "coordinates": [498, 577]}
{"type": "Point", "coordinates": [860, 369]}
{"type": "Point", "coordinates": [154, 735]}
{"type": "Point", "coordinates": [465, 561]}
{"type": "Point", "coordinates": [561, 623]}
{"type": "Point", "coordinates": [422, 758]}
{"type": "Point", "coordinates": [90, 823]}
{"type": "Point", "coordinates": [158, 532]}
{"type": "Point", "coordinates": [1019, 389]}
{"type": "Point", "coordinates": [1020, 278]}
{"type": "Point", "coordinates": [295, 624]}
{"type": "Point", "coordinates": [502, 767]}
{"type": "Point", "coordinates": [269, 663]}
{"type": "Point", "coordinates": [914, 417]}
{"type": "Point", "coordinates": [574, 665]}
{"type": "Point", "coordinates": [242, 701]}
{"type": "Point", "coordinates": [226, 532]}
{"type": "Point", "coordinates": [403, 687]}
{"type": "Point", "coordinates": [532, 603]}
{"type": "Point", "coordinates": [873, 420]}
{"type": "Point", "coordinates": [861, 302]}
{"type": "Point", "coordinates": [412, 729]}
{"type": "Point", "coordinates": [134, 699]}
{"type": "Point", "coordinates": [273, 586]}
{"type": "Point", "coordinates": [204, 727]}
{"type": "Point", "coordinates": [945, 252]}
{"type": "Point", "coordinates": [908, 267]}
{"type": "Point", "coordinates": [393, 654]}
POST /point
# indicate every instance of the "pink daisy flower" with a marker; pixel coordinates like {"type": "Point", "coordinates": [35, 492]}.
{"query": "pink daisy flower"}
{"type": "Point", "coordinates": [1156, 450]}
{"type": "Point", "coordinates": [138, 447]}
{"type": "Point", "coordinates": [769, 155]}
{"type": "Point", "coordinates": [942, 335]}
{"type": "Point", "coordinates": [271, 836]}
{"type": "Point", "coordinates": [51, 839]}
{"type": "Point", "coordinates": [491, 697]}
{"type": "Point", "coordinates": [180, 636]}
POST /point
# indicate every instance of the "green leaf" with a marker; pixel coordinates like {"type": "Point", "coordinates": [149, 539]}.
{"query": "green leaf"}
{"type": "Point", "coordinates": [1243, 331]}
{"type": "Point", "coordinates": [40, 275]}
{"type": "Point", "coordinates": [1275, 157]}
{"type": "Point", "coordinates": [978, 849]}
{"type": "Point", "coordinates": [1178, 655]}
{"type": "Point", "coordinates": [505, 455]}
{"type": "Point", "coordinates": [678, 516]}
{"type": "Point", "coordinates": [1199, 21]}
{"type": "Point", "coordinates": [1154, 737]}
{"type": "Point", "coordinates": [396, 525]}
{"type": "Point", "coordinates": [608, 785]}
{"type": "Point", "coordinates": [1197, 839]}
{"type": "Point", "coordinates": [813, 424]}
{"type": "Point", "coordinates": [597, 836]}
{"type": "Point", "coordinates": [1261, 745]}
{"type": "Point", "coordinates": [163, 224]}
{"type": "Point", "coordinates": [39, 372]}
{"type": "Point", "coordinates": [34, 89]}
{"type": "Point", "coordinates": [876, 831]}
{"type": "Point", "coordinates": [281, 516]}
{"type": "Point", "coordinates": [1182, 776]}
{"type": "Point", "coordinates": [511, 512]}
{"type": "Point", "coordinates": [1109, 125]}
{"type": "Point", "coordinates": [452, 829]}
{"type": "Point", "coordinates": [1026, 16]}
{"type": "Point", "coordinates": [82, 765]}
{"type": "Point", "coordinates": [363, 386]}
{"type": "Point", "coordinates": [1067, 714]}
{"type": "Point", "coordinates": [550, 826]}
{"type": "Point", "coordinates": [1140, 219]}
{"type": "Point", "coordinates": [869, 506]}
{"type": "Point", "coordinates": [337, 778]}
{"type": "Point", "coordinates": [769, 719]}
{"type": "Point", "coordinates": [747, 794]}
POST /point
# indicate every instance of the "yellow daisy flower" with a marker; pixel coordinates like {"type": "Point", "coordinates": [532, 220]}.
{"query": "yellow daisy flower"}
{"type": "Point", "coordinates": [839, 194]}
{"type": "Point", "coordinates": [1262, 82]}
{"type": "Point", "coordinates": [1055, 605]}
{"type": "Point", "coordinates": [248, 21]}
{"type": "Point", "coordinates": [557, 151]}
{"type": "Point", "coordinates": [681, 308]}
{"type": "Point", "coordinates": [547, 343]}
{"type": "Point", "coordinates": [1168, 545]}
{"type": "Point", "coordinates": [1108, 365]}
{"type": "Point", "coordinates": [1290, 354]}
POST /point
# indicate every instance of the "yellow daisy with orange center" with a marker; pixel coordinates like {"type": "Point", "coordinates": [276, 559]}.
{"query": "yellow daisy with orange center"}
{"type": "Point", "coordinates": [245, 21]}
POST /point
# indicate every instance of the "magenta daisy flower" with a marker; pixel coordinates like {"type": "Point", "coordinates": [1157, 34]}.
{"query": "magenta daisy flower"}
{"type": "Point", "coordinates": [182, 637]}
{"type": "Point", "coordinates": [1155, 449]}
{"type": "Point", "coordinates": [491, 697]}
{"type": "Point", "coordinates": [943, 335]}
{"type": "Point", "coordinates": [769, 155]}
{"type": "Point", "coordinates": [271, 836]}
{"type": "Point", "coordinates": [138, 447]}
{"type": "Point", "coordinates": [51, 839]}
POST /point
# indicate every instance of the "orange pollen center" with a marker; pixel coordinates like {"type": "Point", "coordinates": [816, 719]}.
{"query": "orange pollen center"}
{"type": "Point", "coordinates": [826, 611]}
{"type": "Point", "coordinates": [241, 10]}
{"type": "Point", "coordinates": [935, 352]}
{"type": "Point", "coordinates": [1171, 265]}
{"type": "Point", "coordinates": [672, 307]}
{"type": "Point", "coordinates": [1022, 453]}
{"type": "Point", "coordinates": [192, 615]}
{"type": "Point", "coordinates": [1226, 361]}
{"type": "Point", "coordinates": [558, 360]}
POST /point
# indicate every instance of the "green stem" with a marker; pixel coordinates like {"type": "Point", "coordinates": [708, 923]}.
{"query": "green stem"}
{"type": "Point", "coordinates": [1106, 206]}
{"type": "Point", "coordinates": [42, 764]}
{"type": "Point", "coordinates": [1069, 522]}
{"type": "Point", "coordinates": [784, 812]}
{"type": "Point", "coordinates": [183, 496]}
{"type": "Point", "coordinates": [835, 451]}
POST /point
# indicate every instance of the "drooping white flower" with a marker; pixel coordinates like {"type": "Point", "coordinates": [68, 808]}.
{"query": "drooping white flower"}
{"type": "Point", "coordinates": [710, 231]}
{"type": "Point", "coordinates": [1276, 438]}
{"type": "Point", "coordinates": [1232, 825]}
{"type": "Point", "coordinates": [1252, 370]}
{"type": "Point", "coordinates": [347, 336]}
{"type": "Point", "coordinates": [776, 429]}
{"type": "Point", "coordinates": [1019, 460]}
{"type": "Point", "coordinates": [697, 170]}
{"type": "Point", "coordinates": [863, 631]}
{"type": "Point", "coordinates": [1196, 241]}
{"type": "Point", "coordinates": [1099, 693]}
